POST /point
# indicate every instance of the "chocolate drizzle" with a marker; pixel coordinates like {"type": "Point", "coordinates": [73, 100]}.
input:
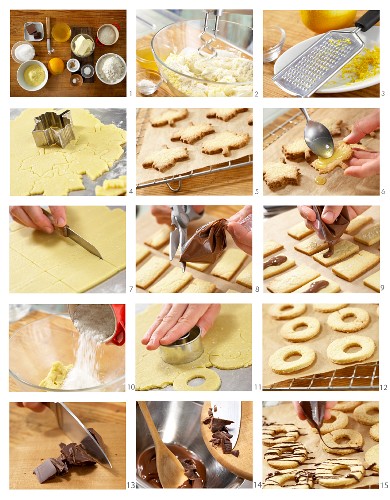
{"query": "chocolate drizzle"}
{"type": "Point", "coordinates": [275, 261]}
{"type": "Point", "coordinates": [316, 286]}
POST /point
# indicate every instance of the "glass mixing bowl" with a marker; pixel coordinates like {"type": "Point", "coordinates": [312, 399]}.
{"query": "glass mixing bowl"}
{"type": "Point", "coordinates": [34, 348]}
{"type": "Point", "coordinates": [233, 40]}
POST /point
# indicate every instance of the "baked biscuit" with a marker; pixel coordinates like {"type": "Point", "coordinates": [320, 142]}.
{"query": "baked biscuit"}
{"type": "Point", "coordinates": [367, 413]}
{"type": "Point", "coordinates": [347, 406]}
{"type": "Point", "coordinates": [372, 457]}
{"type": "Point", "coordinates": [290, 332]}
{"type": "Point", "coordinates": [165, 158]}
{"type": "Point", "coordinates": [357, 223]}
{"type": "Point", "coordinates": [271, 247]}
{"type": "Point", "coordinates": [298, 479]}
{"type": "Point", "coordinates": [286, 311]}
{"type": "Point", "coordinates": [192, 133]}
{"type": "Point", "coordinates": [286, 455]}
{"type": "Point", "coordinates": [369, 236]}
{"type": "Point", "coordinates": [374, 431]}
{"type": "Point", "coordinates": [297, 151]}
{"type": "Point", "coordinates": [224, 142]}
{"type": "Point", "coordinates": [169, 116]}
{"type": "Point", "coordinates": [331, 442]}
{"type": "Point", "coordinates": [336, 350]}
{"type": "Point", "coordinates": [279, 363]}
{"type": "Point", "coordinates": [337, 322]}
{"type": "Point", "coordinates": [280, 433]}
{"type": "Point", "coordinates": [340, 422]}
{"type": "Point", "coordinates": [278, 175]}
{"type": "Point", "coordinates": [342, 153]}
{"type": "Point", "coordinates": [328, 308]}
{"type": "Point", "coordinates": [327, 472]}
{"type": "Point", "coordinates": [357, 265]}
{"type": "Point", "coordinates": [224, 114]}
{"type": "Point", "coordinates": [373, 282]}
{"type": "Point", "coordinates": [300, 231]}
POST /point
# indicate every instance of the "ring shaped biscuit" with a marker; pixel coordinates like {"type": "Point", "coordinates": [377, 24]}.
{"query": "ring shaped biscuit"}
{"type": "Point", "coordinates": [346, 406]}
{"type": "Point", "coordinates": [340, 422]}
{"type": "Point", "coordinates": [360, 316]}
{"type": "Point", "coordinates": [302, 479]}
{"type": "Point", "coordinates": [328, 308]}
{"type": "Point", "coordinates": [367, 413]}
{"type": "Point", "coordinates": [280, 433]}
{"type": "Point", "coordinates": [311, 328]}
{"type": "Point", "coordinates": [279, 362]}
{"type": "Point", "coordinates": [212, 381]}
{"type": "Point", "coordinates": [286, 455]}
{"type": "Point", "coordinates": [286, 311]}
{"type": "Point", "coordinates": [372, 457]}
{"type": "Point", "coordinates": [374, 432]}
{"type": "Point", "coordinates": [336, 350]}
{"type": "Point", "coordinates": [331, 445]}
{"type": "Point", "coordinates": [326, 472]}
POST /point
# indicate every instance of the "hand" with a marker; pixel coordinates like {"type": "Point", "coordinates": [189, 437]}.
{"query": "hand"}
{"type": "Point", "coordinates": [175, 320]}
{"type": "Point", "coordinates": [242, 237]}
{"type": "Point", "coordinates": [302, 416]}
{"type": "Point", "coordinates": [162, 213]}
{"type": "Point", "coordinates": [363, 163]}
{"type": "Point", "coordinates": [37, 407]}
{"type": "Point", "coordinates": [35, 218]}
{"type": "Point", "coordinates": [329, 215]}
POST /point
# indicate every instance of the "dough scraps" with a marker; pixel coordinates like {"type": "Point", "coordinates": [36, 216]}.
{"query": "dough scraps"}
{"type": "Point", "coordinates": [56, 376]}
{"type": "Point", "coordinates": [45, 263]}
{"type": "Point", "coordinates": [53, 171]}
{"type": "Point", "coordinates": [227, 346]}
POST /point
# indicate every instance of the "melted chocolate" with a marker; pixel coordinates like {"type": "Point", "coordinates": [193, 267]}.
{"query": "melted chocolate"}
{"type": "Point", "coordinates": [275, 261]}
{"type": "Point", "coordinates": [316, 286]}
{"type": "Point", "coordinates": [207, 244]}
{"type": "Point", "coordinates": [332, 232]}
{"type": "Point", "coordinates": [193, 467]}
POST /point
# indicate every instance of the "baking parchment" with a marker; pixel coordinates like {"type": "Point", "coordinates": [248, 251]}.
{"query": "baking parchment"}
{"type": "Point", "coordinates": [273, 340]}
{"type": "Point", "coordinates": [337, 183]}
{"type": "Point", "coordinates": [276, 229]}
{"type": "Point", "coordinates": [155, 138]}
{"type": "Point", "coordinates": [284, 413]}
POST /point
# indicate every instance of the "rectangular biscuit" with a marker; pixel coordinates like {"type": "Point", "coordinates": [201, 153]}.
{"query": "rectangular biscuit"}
{"type": "Point", "coordinates": [245, 276]}
{"type": "Point", "coordinates": [300, 231]}
{"type": "Point", "coordinates": [229, 263]}
{"type": "Point", "coordinates": [369, 236]}
{"type": "Point", "coordinates": [372, 282]}
{"type": "Point", "coordinates": [333, 287]}
{"type": "Point", "coordinates": [292, 280]}
{"type": "Point", "coordinates": [232, 291]}
{"type": "Point", "coordinates": [274, 270]}
{"type": "Point", "coordinates": [172, 282]}
{"type": "Point", "coordinates": [141, 252]}
{"type": "Point", "coordinates": [150, 271]}
{"type": "Point", "coordinates": [311, 245]}
{"type": "Point", "coordinates": [357, 265]}
{"type": "Point", "coordinates": [271, 247]}
{"type": "Point", "coordinates": [342, 250]}
{"type": "Point", "coordinates": [357, 223]}
{"type": "Point", "coordinates": [157, 240]}
{"type": "Point", "coordinates": [200, 266]}
{"type": "Point", "coordinates": [200, 286]}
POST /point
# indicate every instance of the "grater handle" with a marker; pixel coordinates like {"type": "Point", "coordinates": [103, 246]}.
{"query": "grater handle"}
{"type": "Point", "coordinates": [368, 20]}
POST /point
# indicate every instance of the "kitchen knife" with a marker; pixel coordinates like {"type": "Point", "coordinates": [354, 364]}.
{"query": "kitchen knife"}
{"type": "Point", "coordinates": [78, 433]}
{"type": "Point", "coordinates": [67, 232]}
{"type": "Point", "coordinates": [229, 410]}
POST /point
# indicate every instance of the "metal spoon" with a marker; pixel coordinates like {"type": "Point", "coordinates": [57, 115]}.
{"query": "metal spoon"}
{"type": "Point", "coordinates": [318, 137]}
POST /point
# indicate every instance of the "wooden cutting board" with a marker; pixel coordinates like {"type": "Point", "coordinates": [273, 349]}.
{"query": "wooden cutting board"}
{"type": "Point", "coordinates": [276, 229]}
{"type": "Point", "coordinates": [242, 465]}
{"type": "Point", "coordinates": [147, 226]}
{"type": "Point", "coordinates": [337, 183]}
{"type": "Point", "coordinates": [36, 436]}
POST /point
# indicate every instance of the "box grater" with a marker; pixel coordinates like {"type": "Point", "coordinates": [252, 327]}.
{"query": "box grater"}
{"type": "Point", "coordinates": [324, 58]}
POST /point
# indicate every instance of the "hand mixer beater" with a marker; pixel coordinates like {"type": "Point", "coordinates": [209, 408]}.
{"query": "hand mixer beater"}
{"type": "Point", "coordinates": [207, 38]}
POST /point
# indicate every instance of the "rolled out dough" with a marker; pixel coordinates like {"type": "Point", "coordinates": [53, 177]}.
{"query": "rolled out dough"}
{"type": "Point", "coordinates": [227, 345]}
{"type": "Point", "coordinates": [54, 171]}
{"type": "Point", "coordinates": [43, 263]}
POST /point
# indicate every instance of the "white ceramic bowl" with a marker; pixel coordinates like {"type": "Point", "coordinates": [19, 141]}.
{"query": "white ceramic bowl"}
{"type": "Point", "coordinates": [73, 42]}
{"type": "Point", "coordinates": [15, 45]}
{"type": "Point", "coordinates": [99, 64]}
{"type": "Point", "coordinates": [20, 76]}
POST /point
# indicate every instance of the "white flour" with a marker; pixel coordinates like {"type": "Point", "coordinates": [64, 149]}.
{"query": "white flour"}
{"type": "Point", "coordinates": [95, 323]}
{"type": "Point", "coordinates": [112, 68]}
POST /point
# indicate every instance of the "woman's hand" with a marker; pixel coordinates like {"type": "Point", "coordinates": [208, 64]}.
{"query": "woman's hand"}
{"type": "Point", "coordinates": [241, 235]}
{"type": "Point", "coordinates": [35, 218]}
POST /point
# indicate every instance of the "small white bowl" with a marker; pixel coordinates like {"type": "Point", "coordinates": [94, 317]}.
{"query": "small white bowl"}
{"type": "Point", "coordinates": [20, 75]}
{"type": "Point", "coordinates": [99, 64]}
{"type": "Point", "coordinates": [15, 45]}
{"type": "Point", "coordinates": [72, 45]}
{"type": "Point", "coordinates": [73, 65]}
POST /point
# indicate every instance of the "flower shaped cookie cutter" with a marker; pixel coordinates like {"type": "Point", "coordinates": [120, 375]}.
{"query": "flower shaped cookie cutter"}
{"type": "Point", "coordinates": [52, 128]}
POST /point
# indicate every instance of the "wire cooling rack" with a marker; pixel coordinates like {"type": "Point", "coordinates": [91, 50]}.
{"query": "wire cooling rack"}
{"type": "Point", "coordinates": [281, 129]}
{"type": "Point", "coordinates": [364, 377]}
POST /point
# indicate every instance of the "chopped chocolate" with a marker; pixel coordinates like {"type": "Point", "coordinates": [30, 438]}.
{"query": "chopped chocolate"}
{"type": "Point", "coordinates": [74, 454]}
{"type": "Point", "coordinates": [207, 420]}
{"type": "Point", "coordinates": [46, 470]}
{"type": "Point", "coordinates": [220, 435]}
{"type": "Point", "coordinates": [226, 446]}
{"type": "Point", "coordinates": [37, 35]}
{"type": "Point", "coordinates": [98, 438]}
{"type": "Point", "coordinates": [235, 452]}
{"type": "Point", "coordinates": [215, 408]}
{"type": "Point", "coordinates": [219, 424]}
{"type": "Point", "coordinates": [31, 29]}
{"type": "Point", "coordinates": [60, 465]}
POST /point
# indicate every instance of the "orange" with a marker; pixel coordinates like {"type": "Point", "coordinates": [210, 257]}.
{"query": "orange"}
{"type": "Point", "coordinates": [321, 21]}
{"type": "Point", "coordinates": [56, 66]}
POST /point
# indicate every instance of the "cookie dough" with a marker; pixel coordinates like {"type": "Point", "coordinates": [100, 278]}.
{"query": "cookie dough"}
{"type": "Point", "coordinates": [311, 328]}
{"type": "Point", "coordinates": [47, 263]}
{"type": "Point", "coordinates": [212, 381]}
{"type": "Point", "coordinates": [227, 346]}
{"type": "Point", "coordinates": [360, 319]}
{"type": "Point", "coordinates": [53, 171]}
{"type": "Point", "coordinates": [280, 363]}
{"type": "Point", "coordinates": [56, 376]}
{"type": "Point", "coordinates": [337, 350]}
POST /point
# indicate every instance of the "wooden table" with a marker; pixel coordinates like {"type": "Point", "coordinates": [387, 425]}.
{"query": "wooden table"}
{"type": "Point", "coordinates": [60, 85]}
{"type": "Point", "coordinates": [296, 32]}
{"type": "Point", "coordinates": [36, 436]}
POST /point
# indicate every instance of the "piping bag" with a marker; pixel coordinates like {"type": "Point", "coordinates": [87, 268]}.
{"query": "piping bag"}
{"type": "Point", "coordinates": [207, 244]}
{"type": "Point", "coordinates": [332, 232]}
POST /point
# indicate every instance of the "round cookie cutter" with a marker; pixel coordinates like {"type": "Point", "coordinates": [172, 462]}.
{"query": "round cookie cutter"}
{"type": "Point", "coordinates": [184, 350]}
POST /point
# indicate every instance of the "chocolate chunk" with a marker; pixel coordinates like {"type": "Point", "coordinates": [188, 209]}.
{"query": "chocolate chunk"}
{"type": "Point", "coordinates": [60, 465]}
{"type": "Point", "coordinates": [37, 35]}
{"type": "Point", "coordinates": [235, 453]}
{"type": "Point", "coordinates": [74, 454]}
{"type": "Point", "coordinates": [226, 446]}
{"type": "Point", "coordinates": [207, 420]}
{"type": "Point", "coordinates": [98, 438]}
{"type": "Point", "coordinates": [31, 29]}
{"type": "Point", "coordinates": [46, 470]}
{"type": "Point", "coordinates": [218, 424]}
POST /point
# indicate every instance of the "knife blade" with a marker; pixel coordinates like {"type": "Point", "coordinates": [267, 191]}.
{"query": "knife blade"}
{"type": "Point", "coordinates": [78, 433]}
{"type": "Point", "coordinates": [229, 410]}
{"type": "Point", "coordinates": [67, 232]}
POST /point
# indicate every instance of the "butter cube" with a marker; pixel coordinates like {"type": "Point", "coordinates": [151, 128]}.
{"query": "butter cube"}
{"type": "Point", "coordinates": [83, 46]}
